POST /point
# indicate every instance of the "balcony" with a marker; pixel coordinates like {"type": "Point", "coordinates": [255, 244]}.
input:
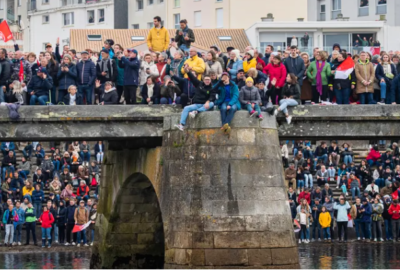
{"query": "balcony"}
{"type": "Point", "coordinates": [322, 17]}
{"type": "Point", "coordinates": [65, 3]}
{"type": "Point", "coordinates": [335, 14]}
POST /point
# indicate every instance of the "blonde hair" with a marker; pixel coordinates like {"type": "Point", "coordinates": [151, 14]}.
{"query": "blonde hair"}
{"type": "Point", "coordinates": [252, 73]}
{"type": "Point", "coordinates": [70, 87]}
{"type": "Point", "coordinates": [17, 87]}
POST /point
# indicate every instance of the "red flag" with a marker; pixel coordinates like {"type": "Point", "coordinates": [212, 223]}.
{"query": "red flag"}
{"type": "Point", "coordinates": [21, 71]}
{"type": "Point", "coordinates": [345, 69]}
{"type": "Point", "coordinates": [78, 228]}
{"type": "Point", "coordinates": [38, 63]}
{"type": "Point", "coordinates": [5, 32]}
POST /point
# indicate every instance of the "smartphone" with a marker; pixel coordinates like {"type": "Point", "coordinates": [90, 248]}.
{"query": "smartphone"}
{"type": "Point", "coordinates": [172, 39]}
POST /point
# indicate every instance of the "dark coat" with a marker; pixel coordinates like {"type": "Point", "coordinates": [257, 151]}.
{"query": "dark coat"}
{"type": "Point", "coordinates": [66, 79]}
{"type": "Point", "coordinates": [78, 101]}
{"type": "Point", "coordinates": [110, 97]}
{"type": "Point", "coordinates": [112, 66]}
{"type": "Point", "coordinates": [69, 214]}
{"type": "Point", "coordinates": [181, 40]}
{"type": "Point", "coordinates": [40, 86]}
{"type": "Point", "coordinates": [5, 71]}
{"type": "Point", "coordinates": [156, 92]}
{"type": "Point", "coordinates": [97, 149]}
{"type": "Point", "coordinates": [297, 67]}
{"type": "Point", "coordinates": [203, 93]}
{"type": "Point", "coordinates": [291, 90]}
{"type": "Point", "coordinates": [60, 216]}
{"type": "Point", "coordinates": [36, 195]}
{"type": "Point", "coordinates": [131, 68]}
{"type": "Point", "coordinates": [186, 86]}
{"type": "Point", "coordinates": [86, 72]}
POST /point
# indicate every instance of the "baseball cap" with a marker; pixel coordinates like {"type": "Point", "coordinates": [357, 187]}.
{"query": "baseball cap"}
{"type": "Point", "coordinates": [48, 45]}
{"type": "Point", "coordinates": [106, 51]}
{"type": "Point", "coordinates": [133, 50]}
{"type": "Point", "coordinates": [225, 73]}
{"type": "Point", "coordinates": [85, 52]}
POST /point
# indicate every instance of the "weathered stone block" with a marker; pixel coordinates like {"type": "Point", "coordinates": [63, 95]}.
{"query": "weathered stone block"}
{"type": "Point", "coordinates": [201, 207]}
{"type": "Point", "coordinates": [226, 257]}
{"type": "Point", "coordinates": [274, 239]}
{"type": "Point", "coordinates": [182, 240]}
{"type": "Point", "coordinates": [203, 240]}
{"type": "Point", "coordinates": [246, 136]}
{"type": "Point", "coordinates": [145, 238]}
{"type": "Point", "coordinates": [181, 256]}
{"type": "Point", "coordinates": [198, 257]}
{"type": "Point", "coordinates": [259, 257]}
{"type": "Point", "coordinates": [224, 224]}
{"type": "Point", "coordinates": [237, 240]}
{"type": "Point", "coordinates": [284, 256]}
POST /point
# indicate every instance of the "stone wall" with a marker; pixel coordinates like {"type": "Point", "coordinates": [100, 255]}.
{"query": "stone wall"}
{"type": "Point", "coordinates": [223, 199]}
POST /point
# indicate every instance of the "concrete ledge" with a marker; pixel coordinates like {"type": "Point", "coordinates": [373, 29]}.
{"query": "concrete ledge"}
{"type": "Point", "coordinates": [212, 119]}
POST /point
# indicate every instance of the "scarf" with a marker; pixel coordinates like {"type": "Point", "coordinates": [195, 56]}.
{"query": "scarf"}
{"type": "Point", "coordinates": [231, 62]}
{"type": "Point", "coordinates": [320, 67]}
{"type": "Point", "coordinates": [104, 67]}
{"type": "Point", "coordinates": [150, 90]}
{"type": "Point", "coordinates": [210, 63]}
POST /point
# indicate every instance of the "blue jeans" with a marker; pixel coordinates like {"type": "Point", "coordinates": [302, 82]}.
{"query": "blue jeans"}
{"type": "Point", "coordinates": [227, 115]}
{"type": "Point", "coordinates": [191, 108]}
{"type": "Point", "coordinates": [38, 209]}
{"type": "Point", "coordinates": [383, 90]}
{"type": "Point", "coordinates": [85, 198]}
{"type": "Point", "coordinates": [380, 182]}
{"type": "Point", "coordinates": [156, 101]}
{"type": "Point", "coordinates": [86, 91]}
{"type": "Point", "coordinates": [24, 174]}
{"type": "Point", "coordinates": [355, 190]}
{"type": "Point", "coordinates": [165, 100]}
{"type": "Point", "coordinates": [57, 164]}
{"type": "Point", "coordinates": [309, 180]}
{"type": "Point", "coordinates": [388, 229]}
{"type": "Point", "coordinates": [327, 234]}
{"type": "Point", "coordinates": [372, 163]}
{"type": "Point", "coordinates": [91, 236]}
{"type": "Point", "coordinates": [85, 156]}
{"type": "Point", "coordinates": [17, 233]}
{"type": "Point", "coordinates": [300, 183]}
{"type": "Point", "coordinates": [342, 96]}
{"type": "Point", "coordinates": [5, 169]}
{"type": "Point", "coordinates": [28, 151]}
{"type": "Point", "coordinates": [41, 99]}
{"type": "Point", "coordinates": [55, 232]}
{"type": "Point", "coordinates": [357, 226]}
{"type": "Point", "coordinates": [323, 157]}
{"type": "Point", "coordinates": [184, 48]}
{"type": "Point", "coordinates": [316, 226]}
{"type": "Point", "coordinates": [331, 172]}
{"type": "Point", "coordinates": [78, 235]}
{"type": "Point", "coordinates": [367, 97]}
{"type": "Point", "coordinates": [61, 94]}
{"type": "Point", "coordinates": [366, 229]}
{"type": "Point", "coordinates": [256, 108]}
{"type": "Point", "coordinates": [347, 159]}
{"type": "Point", "coordinates": [284, 103]}
{"type": "Point", "coordinates": [46, 232]}
{"type": "Point", "coordinates": [2, 99]}
{"type": "Point", "coordinates": [53, 95]}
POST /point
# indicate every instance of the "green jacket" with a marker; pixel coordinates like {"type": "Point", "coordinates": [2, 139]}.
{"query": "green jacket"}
{"type": "Point", "coordinates": [30, 215]}
{"type": "Point", "coordinates": [325, 74]}
{"type": "Point", "coordinates": [364, 43]}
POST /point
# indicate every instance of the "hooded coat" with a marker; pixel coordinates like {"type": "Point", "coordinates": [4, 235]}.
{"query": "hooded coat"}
{"type": "Point", "coordinates": [40, 86]}
{"type": "Point", "coordinates": [66, 79]}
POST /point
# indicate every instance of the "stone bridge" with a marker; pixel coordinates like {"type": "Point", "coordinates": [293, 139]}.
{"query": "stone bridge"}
{"type": "Point", "coordinates": [193, 199]}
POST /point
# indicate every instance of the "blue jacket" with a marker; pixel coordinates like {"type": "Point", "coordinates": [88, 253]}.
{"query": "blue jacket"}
{"type": "Point", "coordinates": [70, 214]}
{"type": "Point", "coordinates": [66, 79]}
{"type": "Point", "coordinates": [185, 85]}
{"type": "Point", "coordinates": [342, 211]}
{"type": "Point", "coordinates": [131, 68]}
{"type": "Point", "coordinates": [86, 72]}
{"type": "Point", "coordinates": [238, 65]}
{"type": "Point", "coordinates": [220, 88]}
{"type": "Point", "coordinates": [366, 216]}
{"type": "Point", "coordinates": [40, 86]}
{"type": "Point", "coordinates": [41, 152]}
{"type": "Point", "coordinates": [36, 196]}
{"type": "Point", "coordinates": [11, 146]}
{"type": "Point", "coordinates": [6, 213]}
{"type": "Point", "coordinates": [17, 183]}
{"type": "Point", "coordinates": [21, 216]}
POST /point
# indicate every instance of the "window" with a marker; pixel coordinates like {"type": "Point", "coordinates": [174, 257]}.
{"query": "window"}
{"type": "Point", "coordinates": [94, 37]}
{"type": "Point", "coordinates": [363, 9]}
{"type": "Point", "coordinates": [150, 25]}
{"type": "Point", "coordinates": [137, 38]}
{"type": "Point", "coordinates": [150, 2]}
{"type": "Point", "coordinates": [381, 7]}
{"type": "Point", "coordinates": [19, 3]}
{"type": "Point", "coordinates": [336, 8]}
{"type": "Point", "coordinates": [322, 14]}
{"type": "Point", "coordinates": [177, 3]}
{"type": "Point", "coordinates": [197, 18]}
{"type": "Point", "coordinates": [1, 4]}
{"type": "Point", "coordinates": [161, 1]}
{"type": "Point", "coordinates": [139, 4]}
{"type": "Point", "coordinates": [225, 38]}
{"type": "Point", "coordinates": [135, 26]}
{"type": "Point", "coordinates": [101, 15]}
{"type": "Point", "coordinates": [90, 16]}
{"type": "Point", "coordinates": [68, 18]}
{"type": "Point", "coordinates": [177, 19]}
{"type": "Point", "coordinates": [219, 1]}
{"type": "Point", "coordinates": [220, 17]}
{"type": "Point", "coordinates": [45, 19]}
{"type": "Point", "coordinates": [45, 2]}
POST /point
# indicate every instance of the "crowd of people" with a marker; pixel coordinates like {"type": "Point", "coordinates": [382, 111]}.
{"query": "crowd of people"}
{"type": "Point", "coordinates": [67, 177]}
{"type": "Point", "coordinates": [374, 213]}
{"type": "Point", "coordinates": [249, 80]}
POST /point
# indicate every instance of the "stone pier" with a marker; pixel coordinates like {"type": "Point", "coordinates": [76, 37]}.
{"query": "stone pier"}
{"type": "Point", "coordinates": [223, 199]}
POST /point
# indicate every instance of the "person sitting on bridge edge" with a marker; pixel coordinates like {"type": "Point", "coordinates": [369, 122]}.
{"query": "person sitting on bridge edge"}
{"type": "Point", "coordinates": [291, 96]}
{"type": "Point", "coordinates": [109, 96]}
{"type": "Point", "coordinates": [39, 87]}
{"type": "Point", "coordinates": [73, 98]}
{"type": "Point", "coordinates": [250, 99]}
{"type": "Point", "coordinates": [228, 101]}
{"type": "Point", "coordinates": [203, 98]}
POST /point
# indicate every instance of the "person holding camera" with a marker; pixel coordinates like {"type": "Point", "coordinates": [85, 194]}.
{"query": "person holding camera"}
{"type": "Point", "coordinates": [184, 36]}
{"type": "Point", "coordinates": [106, 70]}
{"type": "Point", "coordinates": [67, 76]}
{"type": "Point", "coordinates": [131, 65]}
{"type": "Point", "coordinates": [39, 87]}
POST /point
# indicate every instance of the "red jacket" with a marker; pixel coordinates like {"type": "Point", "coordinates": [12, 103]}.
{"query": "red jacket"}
{"type": "Point", "coordinates": [278, 72]}
{"type": "Point", "coordinates": [47, 219]}
{"type": "Point", "coordinates": [374, 155]}
{"type": "Point", "coordinates": [304, 195]}
{"type": "Point", "coordinates": [394, 208]}
{"type": "Point", "coordinates": [260, 61]}
{"type": "Point", "coordinates": [82, 191]}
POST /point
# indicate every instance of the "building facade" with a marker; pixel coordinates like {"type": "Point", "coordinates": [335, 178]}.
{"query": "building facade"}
{"type": "Point", "coordinates": [14, 12]}
{"type": "Point", "coordinates": [212, 14]}
{"type": "Point", "coordinates": [52, 19]}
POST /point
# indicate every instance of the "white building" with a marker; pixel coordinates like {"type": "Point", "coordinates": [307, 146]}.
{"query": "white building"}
{"type": "Point", "coordinates": [52, 19]}
{"type": "Point", "coordinates": [14, 12]}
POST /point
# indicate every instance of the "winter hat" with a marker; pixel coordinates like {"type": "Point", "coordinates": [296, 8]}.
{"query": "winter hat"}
{"type": "Point", "coordinates": [249, 79]}
{"type": "Point", "coordinates": [107, 51]}
{"type": "Point", "coordinates": [261, 81]}
{"type": "Point", "coordinates": [237, 53]}
{"type": "Point", "coordinates": [251, 52]}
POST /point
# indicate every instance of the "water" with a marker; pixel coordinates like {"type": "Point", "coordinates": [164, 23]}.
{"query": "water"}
{"type": "Point", "coordinates": [312, 256]}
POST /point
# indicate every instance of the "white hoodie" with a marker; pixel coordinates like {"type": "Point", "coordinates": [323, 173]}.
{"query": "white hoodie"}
{"type": "Point", "coordinates": [143, 75]}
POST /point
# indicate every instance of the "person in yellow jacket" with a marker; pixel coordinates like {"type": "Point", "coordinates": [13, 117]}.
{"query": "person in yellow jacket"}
{"type": "Point", "coordinates": [27, 189]}
{"type": "Point", "coordinates": [158, 38]}
{"type": "Point", "coordinates": [250, 61]}
{"type": "Point", "coordinates": [325, 222]}
{"type": "Point", "coordinates": [196, 64]}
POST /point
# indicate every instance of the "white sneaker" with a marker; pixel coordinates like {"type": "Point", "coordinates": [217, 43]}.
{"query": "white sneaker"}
{"type": "Point", "coordinates": [193, 114]}
{"type": "Point", "coordinates": [358, 239]}
{"type": "Point", "coordinates": [91, 244]}
{"type": "Point", "coordinates": [337, 187]}
{"type": "Point", "coordinates": [307, 241]}
{"type": "Point", "coordinates": [56, 241]}
{"type": "Point", "coordinates": [289, 120]}
{"type": "Point", "coordinates": [86, 245]}
{"type": "Point", "coordinates": [319, 239]}
{"type": "Point", "coordinates": [67, 244]}
{"type": "Point", "coordinates": [19, 243]}
{"type": "Point", "coordinates": [381, 103]}
{"type": "Point", "coordinates": [14, 244]}
{"type": "Point", "coordinates": [382, 240]}
{"type": "Point", "coordinates": [375, 240]}
{"type": "Point", "coordinates": [180, 127]}
{"type": "Point", "coordinates": [73, 243]}
{"type": "Point", "coordinates": [299, 241]}
{"type": "Point", "coordinates": [276, 112]}
{"type": "Point", "coordinates": [78, 245]}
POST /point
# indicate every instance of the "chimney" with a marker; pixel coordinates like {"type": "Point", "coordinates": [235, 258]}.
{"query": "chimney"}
{"type": "Point", "coordinates": [269, 18]}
